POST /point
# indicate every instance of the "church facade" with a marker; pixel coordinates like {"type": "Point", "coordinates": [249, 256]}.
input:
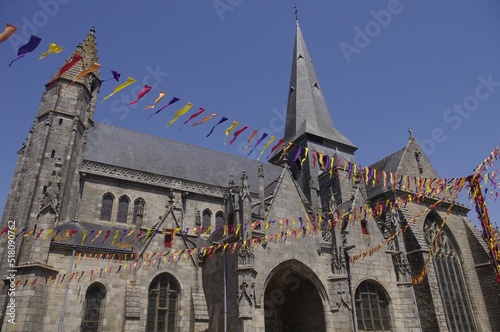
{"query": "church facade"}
{"type": "Point", "coordinates": [261, 247]}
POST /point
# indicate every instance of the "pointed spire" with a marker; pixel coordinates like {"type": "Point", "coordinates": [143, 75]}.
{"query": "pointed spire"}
{"type": "Point", "coordinates": [88, 51]}
{"type": "Point", "coordinates": [307, 112]}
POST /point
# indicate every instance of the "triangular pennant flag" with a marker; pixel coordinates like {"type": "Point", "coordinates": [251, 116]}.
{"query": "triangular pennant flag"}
{"type": "Point", "coordinates": [28, 47]}
{"type": "Point", "coordinates": [9, 31]}
{"type": "Point", "coordinates": [237, 133]}
{"type": "Point", "coordinates": [122, 86]}
{"type": "Point", "coordinates": [160, 96]}
{"type": "Point", "coordinates": [180, 112]}
{"type": "Point", "coordinates": [258, 142]}
{"type": "Point", "coordinates": [172, 101]}
{"type": "Point", "coordinates": [67, 66]}
{"type": "Point", "coordinates": [201, 110]}
{"type": "Point", "coordinates": [230, 129]}
{"type": "Point", "coordinates": [281, 141]}
{"type": "Point", "coordinates": [205, 119]}
{"type": "Point", "coordinates": [141, 94]}
{"type": "Point", "coordinates": [266, 146]}
{"type": "Point", "coordinates": [224, 119]}
{"type": "Point", "coordinates": [116, 76]}
{"type": "Point", "coordinates": [94, 67]}
{"type": "Point", "coordinates": [255, 131]}
{"type": "Point", "coordinates": [53, 48]}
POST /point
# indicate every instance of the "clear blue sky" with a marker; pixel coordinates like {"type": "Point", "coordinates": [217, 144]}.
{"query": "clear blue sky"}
{"type": "Point", "coordinates": [413, 68]}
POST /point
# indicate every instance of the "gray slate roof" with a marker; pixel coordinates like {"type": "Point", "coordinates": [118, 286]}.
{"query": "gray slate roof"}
{"type": "Point", "coordinates": [307, 111]}
{"type": "Point", "coordinates": [138, 151]}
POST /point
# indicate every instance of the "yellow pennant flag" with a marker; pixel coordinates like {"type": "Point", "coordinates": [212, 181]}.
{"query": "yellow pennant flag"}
{"type": "Point", "coordinates": [160, 96]}
{"type": "Point", "coordinates": [9, 31]}
{"type": "Point", "coordinates": [230, 129]}
{"type": "Point", "coordinates": [129, 81]}
{"type": "Point", "coordinates": [53, 48]}
{"type": "Point", "coordinates": [267, 145]}
{"type": "Point", "coordinates": [94, 67]}
{"type": "Point", "coordinates": [180, 112]}
{"type": "Point", "coordinates": [305, 156]}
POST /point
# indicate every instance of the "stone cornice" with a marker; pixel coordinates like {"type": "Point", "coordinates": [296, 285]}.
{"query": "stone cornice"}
{"type": "Point", "coordinates": [115, 172]}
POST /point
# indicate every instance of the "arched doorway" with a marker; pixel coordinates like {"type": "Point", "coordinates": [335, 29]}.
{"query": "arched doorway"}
{"type": "Point", "coordinates": [292, 303]}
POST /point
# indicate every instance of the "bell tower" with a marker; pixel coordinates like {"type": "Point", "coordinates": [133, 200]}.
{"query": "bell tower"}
{"type": "Point", "coordinates": [45, 185]}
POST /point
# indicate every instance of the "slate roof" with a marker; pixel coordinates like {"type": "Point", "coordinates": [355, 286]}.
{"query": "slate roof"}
{"type": "Point", "coordinates": [391, 162]}
{"type": "Point", "coordinates": [307, 112]}
{"type": "Point", "coordinates": [143, 152]}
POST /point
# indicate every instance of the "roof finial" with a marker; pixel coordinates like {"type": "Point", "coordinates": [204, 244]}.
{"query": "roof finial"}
{"type": "Point", "coordinates": [296, 12]}
{"type": "Point", "coordinates": [411, 133]}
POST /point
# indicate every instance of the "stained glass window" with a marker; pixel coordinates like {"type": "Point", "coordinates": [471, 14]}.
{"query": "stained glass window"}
{"type": "Point", "coordinates": [372, 309]}
{"type": "Point", "coordinates": [162, 305]}
{"type": "Point", "coordinates": [122, 210]}
{"type": "Point", "coordinates": [107, 207]}
{"type": "Point", "coordinates": [94, 301]}
{"type": "Point", "coordinates": [451, 282]}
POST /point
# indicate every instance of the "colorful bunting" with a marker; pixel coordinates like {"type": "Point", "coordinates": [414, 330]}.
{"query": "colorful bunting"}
{"type": "Point", "coordinates": [160, 97]}
{"type": "Point", "coordinates": [27, 48]}
{"type": "Point", "coordinates": [116, 76]}
{"type": "Point", "coordinates": [255, 131]}
{"type": "Point", "coordinates": [224, 119]}
{"type": "Point", "coordinates": [264, 135]}
{"type": "Point", "coordinates": [53, 48]}
{"type": "Point", "coordinates": [94, 67]}
{"type": "Point", "coordinates": [201, 110]}
{"type": "Point", "coordinates": [74, 59]}
{"type": "Point", "coordinates": [122, 86]}
{"type": "Point", "coordinates": [8, 32]}
{"type": "Point", "coordinates": [180, 112]}
{"type": "Point", "coordinates": [205, 119]}
{"type": "Point", "coordinates": [280, 142]}
{"type": "Point", "coordinates": [266, 146]}
{"type": "Point", "coordinates": [237, 133]}
{"type": "Point", "coordinates": [172, 101]}
{"type": "Point", "coordinates": [230, 129]}
{"type": "Point", "coordinates": [141, 94]}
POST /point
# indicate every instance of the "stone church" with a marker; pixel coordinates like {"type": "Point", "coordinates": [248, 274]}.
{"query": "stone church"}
{"type": "Point", "coordinates": [272, 265]}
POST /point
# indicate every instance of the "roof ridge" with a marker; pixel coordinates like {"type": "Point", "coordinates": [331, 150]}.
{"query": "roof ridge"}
{"type": "Point", "coordinates": [189, 144]}
{"type": "Point", "coordinates": [387, 157]}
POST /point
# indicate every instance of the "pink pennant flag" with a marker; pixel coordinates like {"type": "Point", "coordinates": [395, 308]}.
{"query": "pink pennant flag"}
{"type": "Point", "coordinates": [141, 94]}
{"type": "Point", "coordinates": [281, 141]}
{"type": "Point", "coordinates": [193, 116]}
{"type": "Point", "coordinates": [237, 133]}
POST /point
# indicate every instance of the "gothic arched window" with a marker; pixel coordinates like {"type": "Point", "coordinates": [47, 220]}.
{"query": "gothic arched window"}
{"type": "Point", "coordinates": [107, 207]}
{"type": "Point", "coordinates": [219, 220]}
{"type": "Point", "coordinates": [372, 308]}
{"type": "Point", "coordinates": [94, 308]}
{"type": "Point", "coordinates": [122, 210]}
{"type": "Point", "coordinates": [162, 304]}
{"type": "Point", "coordinates": [451, 282]}
{"type": "Point", "coordinates": [138, 211]}
{"type": "Point", "coordinates": [206, 220]}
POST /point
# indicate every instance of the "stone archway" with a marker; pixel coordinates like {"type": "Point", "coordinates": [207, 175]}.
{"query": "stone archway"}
{"type": "Point", "coordinates": [292, 303]}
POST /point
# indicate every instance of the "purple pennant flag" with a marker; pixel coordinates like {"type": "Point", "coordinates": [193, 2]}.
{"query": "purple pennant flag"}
{"type": "Point", "coordinates": [258, 142]}
{"type": "Point", "coordinates": [116, 76]}
{"type": "Point", "coordinates": [174, 100]}
{"type": "Point", "coordinates": [221, 120]}
{"type": "Point", "coordinates": [26, 48]}
{"type": "Point", "coordinates": [297, 154]}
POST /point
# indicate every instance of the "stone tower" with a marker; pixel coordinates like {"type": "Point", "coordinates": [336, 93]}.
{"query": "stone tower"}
{"type": "Point", "coordinates": [309, 126]}
{"type": "Point", "coordinates": [45, 185]}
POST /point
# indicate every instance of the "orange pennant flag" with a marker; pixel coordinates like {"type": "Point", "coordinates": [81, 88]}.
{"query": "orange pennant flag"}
{"type": "Point", "coordinates": [205, 119]}
{"type": "Point", "coordinates": [94, 67]}
{"type": "Point", "coordinates": [160, 96]}
{"type": "Point", "coordinates": [8, 32]}
{"type": "Point", "coordinates": [255, 131]}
